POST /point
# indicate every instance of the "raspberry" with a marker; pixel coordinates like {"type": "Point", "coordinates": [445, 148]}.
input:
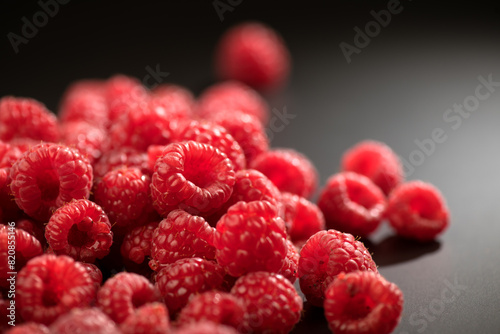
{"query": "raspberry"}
{"type": "Point", "coordinates": [120, 86]}
{"type": "Point", "coordinates": [150, 318]}
{"type": "Point", "coordinates": [179, 236]}
{"type": "Point", "coordinates": [272, 304]}
{"type": "Point", "coordinates": [47, 177]}
{"type": "Point", "coordinates": [230, 96]}
{"type": "Point", "coordinates": [191, 176]}
{"type": "Point", "coordinates": [33, 228]}
{"type": "Point", "coordinates": [26, 247]}
{"type": "Point", "coordinates": [363, 302]}
{"type": "Point", "coordinates": [154, 152]}
{"type": "Point", "coordinates": [254, 54]}
{"type": "Point", "coordinates": [206, 327]}
{"type": "Point", "coordinates": [26, 118]}
{"type": "Point", "coordinates": [84, 106]}
{"type": "Point", "coordinates": [178, 282]}
{"type": "Point", "coordinates": [376, 161]}
{"type": "Point", "coordinates": [91, 141]}
{"type": "Point", "coordinates": [119, 158]}
{"type": "Point", "coordinates": [178, 100]}
{"type": "Point", "coordinates": [215, 306]}
{"type": "Point", "coordinates": [94, 273]}
{"type": "Point", "coordinates": [417, 210]}
{"type": "Point", "coordinates": [251, 237]}
{"type": "Point", "coordinates": [352, 203]}
{"type": "Point", "coordinates": [90, 320]}
{"type": "Point", "coordinates": [218, 137]}
{"type": "Point", "coordinates": [136, 245]}
{"type": "Point", "coordinates": [124, 195]}
{"type": "Point", "coordinates": [123, 294]}
{"type": "Point", "coordinates": [301, 217]}
{"type": "Point", "coordinates": [291, 263]}
{"type": "Point", "coordinates": [80, 229]}
{"type": "Point", "coordinates": [87, 86]}
{"type": "Point", "coordinates": [29, 328]}
{"type": "Point", "coordinates": [245, 129]}
{"type": "Point", "coordinates": [289, 170]}
{"type": "Point", "coordinates": [325, 255]}
{"type": "Point", "coordinates": [50, 285]}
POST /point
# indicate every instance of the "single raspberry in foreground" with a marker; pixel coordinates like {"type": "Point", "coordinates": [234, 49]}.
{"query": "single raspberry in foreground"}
{"type": "Point", "coordinates": [151, 318]}
{"type": "Point", "coordinates": [90, 320]}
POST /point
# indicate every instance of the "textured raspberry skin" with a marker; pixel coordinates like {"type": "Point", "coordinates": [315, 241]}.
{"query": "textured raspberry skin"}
{"type": "Point", "coordinates": [49, 286]}
{"type": "Point", "coordinates": [376, 161]}
{"type": "Point", "coordinates": [178, 282]}
{"type": "Point", "coordinates": [87, 106]}
{"type": "Point", "coordinates": [417, 210]}
{"type": "Point", "coordinates": [289, 170]}
{"type": "Point", "coordinates": [302, 218]}
{"type": "Point", "coordinates": [80, 229]}
{"type": "Point", "coordinates": [29, 328]}
{"type": "Point", "coordinates": [26, 247]}
{"type": "Point", "coordinates": [206, 327]}
{"type": "Point", "coordinates": [179, 236]}
{"type": "Point", "coordinates": [90, 320]}
{"type": "Point", "coordinates": [291, 263]}
{"type": "Point", "coordinates": [120, 158]}
{"type": "Point", "coordinates": [272, 304]}
{"type": "Point", "coordinates": [26, 118]}
{"type": "Point", "coordinates": [124, 195]}
{"type": "Point", "coordinates": [47, 177]}
{"type": "Point", "coordinates": [363, 302]}
{"type": "Point", "coordinates": [90, 140]}
{"type": "Point", "coordinates": [154, 152]}
{"type": "Point", "coordinates": [191, 176]}
{"type": "Point", "coordinates": [246, 129]}
{"type": "Point", "coordinates": [94, 273]}
{"type": "Point", "coordinates": [122, 294]}
{"type": "Point", "coordinates": [33, 228]}
{"type": "Point", "coordinates": [254, 54]}
{"type": "Point", "coordinates": [250, 237]}
{"type": "Point", "coordinates": [325, 255]}
{"type": "Point", "coordinates": [151, 318]}
{"type": "Point", "coordinates": [230, 96]}
{"type": "Point", "coordinates": [136, 245]}
{"type": "Point", "coordinates": [352, 203]}
{"type": "Point", "coordinates": [215, 306]}
{"type": "Point", "coordinates": [218, 137]}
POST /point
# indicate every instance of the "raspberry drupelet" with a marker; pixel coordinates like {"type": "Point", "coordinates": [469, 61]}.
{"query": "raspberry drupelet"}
{"type": "Point", "coordinates": [49, 286]}
{"type": "Point", "coordinates": [352, 203]}
{"type": "Point", "coordinates": [122, 294]}
{"type": "Point", "coordinates": [80, 229]}
{"type": "Point", "coordinates": [325, 255]}
{"type": "Point", "coordinates": [90, 320]}
{"type": "Point", "coordinates": [151, 318]}
{"type": "Point", "coordinates": [136, 245]}
{"type": "Point", "coordinates": [417, 210]}
{"type": "Point", "coordinates": [362, 302]}
{"type": "Point", "coordinates": [192, 176]}
{"type": "Point", "coordinates": [291, 263]}
{"type": "Point", "coordinates": [119, 158]}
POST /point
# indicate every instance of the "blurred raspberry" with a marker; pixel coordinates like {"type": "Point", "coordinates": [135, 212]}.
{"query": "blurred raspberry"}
{"type": "Point", "coordinates": [205, 327]}
{"type": "Point", "coordinates": [290, 263]}
{"type": "Point", "coordinates": [86, 105]}
{"type": "Point", "coordinates": [29, 328]}
{"type": "Point", "coordinates": [94, 272]}
{"type": "Point", "coordinates": [90, 320]}
{"type": "Point", "coordinates": [151, 318]}
{"type": "Point", "coordinates": [180, 100]}
{"type": "Point", "coordinates": [90, 140]}
{"type": "Point", "coordinates": [119, 158]}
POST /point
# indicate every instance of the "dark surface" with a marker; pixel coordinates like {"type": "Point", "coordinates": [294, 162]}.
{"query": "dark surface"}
{"type": "Point", "coordinates": [396, 90]}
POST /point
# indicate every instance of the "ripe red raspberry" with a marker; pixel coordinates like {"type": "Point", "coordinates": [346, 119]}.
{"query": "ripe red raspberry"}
{"type": "Point", "coordinates": [417, 210]}
{"type": "Point", "coordinates": [254, 54]}
{"type": "Point", "coordinates": [376, 161]}
{"type": "Point", "coordinates": [50, 285]}
{"type": "Point", "coordinates": [272, 304]}
{"type": "Point", "coordinates": [80, 229]}
{"type": "Point", "coordinates": [289, 170]}
{"type": "Point", "coordinates": [325, 255]}
{"type": "Point", "coordinates": [90, 320]}
{"type": "Point", "coordinates": [136, 245]}
{"type": "Point", "coordinates": [26, 118]}
{"type": "Point", "coordinates": [124, 195]}
{"type": "Point", "coordinates": [86, 86]}
{"type": "Point", "coordinates": [17, 247]}
{"type": "Point", "coordinates": [205, 327]}
{"type": "Point", "coordinates": [178, 282]}
{"type": "Point", "coordinates": [29, 328]}
{"type": "Point", "coordinates": [291, 263]}
{"type": "Point", "coordinates": [230, 96]}
{"type": "Point", "coordinates": [123, 294]}
{"type": "Point", "coordinates": [47, 177]}
{"type": "Point", "coordinates": [94, 272]}
{"type": "Point", "coordinates": [246, 129]}
{"type": "Point", "coordinates": [119, 158]}
{"type": "Point", "coordinates": [33, 228]}
{"type": "Point", "coordinates": [179, 236]}
{"type": "Point", "coordinates": [302, 218]}
{"type": "Point", "coordinates": [90, 140]}
{"type": "Point", "coordinates": [178, 100]}
{"type": "Point", "coordinates": [218, 137]}
{"type": "Point", "coordinates": [151, 318]}
{"type": "Point", "coordinates": [120, 86]}
{"type": "Point", "coordinates": [154, 152]}
{"type": "Point", "coordinates": [191, 176]}
{"type": "Point", "coordinates": [215, 306]}
{"type": "Point", "coordinates": [85, 106]}
{"type": "Point", "coordinates": [363, 302]}
{"type": "Point", "coordinates": [251, 237]}
{"type": "Point", "coordinates": [352, 203]}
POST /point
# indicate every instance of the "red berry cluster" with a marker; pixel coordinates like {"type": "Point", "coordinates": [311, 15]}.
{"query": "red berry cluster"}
{"type": "Point", "coordinates": [194, 223]}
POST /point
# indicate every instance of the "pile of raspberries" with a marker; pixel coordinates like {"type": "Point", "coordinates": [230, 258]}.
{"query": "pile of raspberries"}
{"type": "Point", "coordinates": [150, 211]}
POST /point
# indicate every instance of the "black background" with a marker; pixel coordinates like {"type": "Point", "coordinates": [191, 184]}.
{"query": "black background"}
{"type": "Point", "coordinates": [396, 90]}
